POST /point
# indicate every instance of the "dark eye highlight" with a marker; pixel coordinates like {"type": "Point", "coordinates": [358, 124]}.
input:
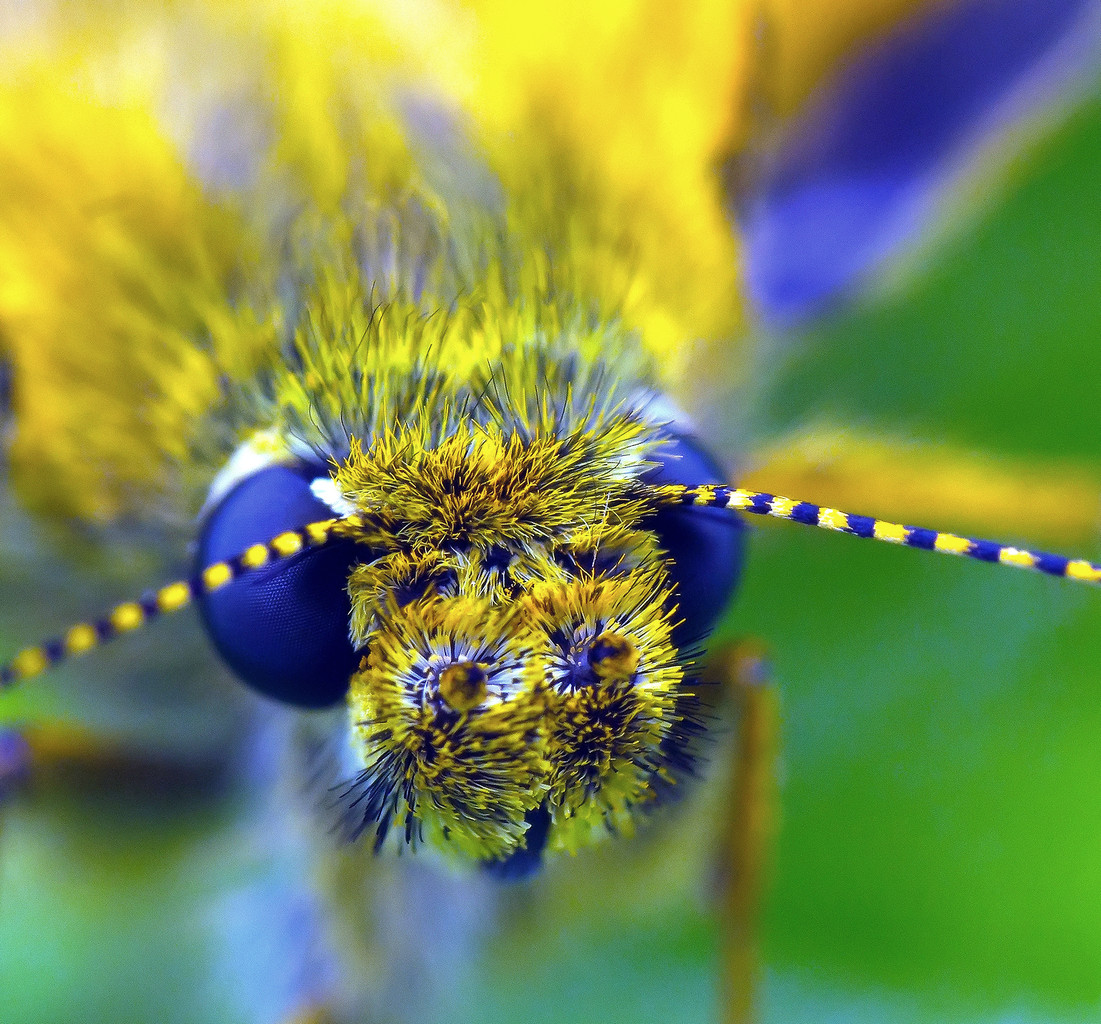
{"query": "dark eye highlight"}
{"type": "Point", "coordinates": [283, 630]}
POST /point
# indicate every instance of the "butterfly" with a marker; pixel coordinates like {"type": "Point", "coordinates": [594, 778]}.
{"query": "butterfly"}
{"type": "Point", "coordinates": [454, 335]}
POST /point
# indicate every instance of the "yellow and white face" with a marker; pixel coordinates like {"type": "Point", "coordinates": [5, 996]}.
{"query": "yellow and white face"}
{"type": "Point", "coordinates": [517, 622]}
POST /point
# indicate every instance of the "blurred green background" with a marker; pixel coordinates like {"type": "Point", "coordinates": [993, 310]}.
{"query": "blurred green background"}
{"type": "Point", "coordinates": [939, 850]}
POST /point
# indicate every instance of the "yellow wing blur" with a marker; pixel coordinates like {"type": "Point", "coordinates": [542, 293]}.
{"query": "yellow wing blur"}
{"type": "Point", "coordinates": [149, 161]}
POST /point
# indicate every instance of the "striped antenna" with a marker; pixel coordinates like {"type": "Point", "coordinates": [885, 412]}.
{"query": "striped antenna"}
{"type": "Point", "coordinates": [760, 504]}
{"type": "Point", "coordinates": [131, 615]}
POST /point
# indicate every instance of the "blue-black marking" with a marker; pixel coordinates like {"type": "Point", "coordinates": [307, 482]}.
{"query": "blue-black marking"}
{"type": "Point", "coordinates": [1056, 565]}
{"type": "Point", "coordinates": [919, 537]}
{"type": "Point", "coordinates": [148, 604]}
{"type": "Point", "coordinates": [985, 550]}
{"type": "Point", "coordinates": [862, 526]}
{"type": "Point", "coordinates": [805, 513]}
{"type": "Point", "coordinates": [761, 504]}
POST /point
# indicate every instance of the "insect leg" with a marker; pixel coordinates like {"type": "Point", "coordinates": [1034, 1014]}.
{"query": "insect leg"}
{"type": "Point", "coordinates": [747, 833]}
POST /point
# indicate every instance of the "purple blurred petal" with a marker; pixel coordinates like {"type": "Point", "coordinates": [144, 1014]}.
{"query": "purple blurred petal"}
{"type": "Point", "coordinates": [851, 181]}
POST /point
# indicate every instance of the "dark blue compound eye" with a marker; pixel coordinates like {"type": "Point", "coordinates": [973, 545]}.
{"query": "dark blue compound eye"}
{"type": "Point", "coordinates": [282, 629]}
{"type": "Point", "coordinates": [706, 545]}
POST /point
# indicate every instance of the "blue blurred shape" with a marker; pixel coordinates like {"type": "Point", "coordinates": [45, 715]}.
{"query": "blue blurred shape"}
{"type": "Point", "coordinates": [850, 180]}
{"type": "Point", "coordinates": [15, 761]}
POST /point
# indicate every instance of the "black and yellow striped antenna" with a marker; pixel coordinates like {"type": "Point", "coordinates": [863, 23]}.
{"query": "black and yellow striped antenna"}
{"type": "Point", "coordinates": [759, 503]}
{"type": "Point", "coordinates": [131, 615]}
